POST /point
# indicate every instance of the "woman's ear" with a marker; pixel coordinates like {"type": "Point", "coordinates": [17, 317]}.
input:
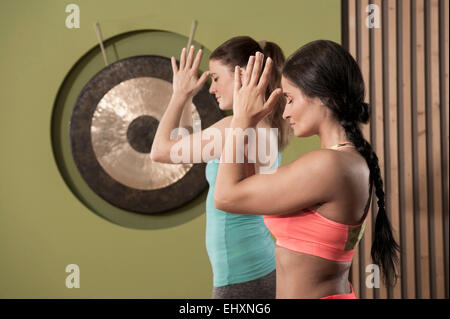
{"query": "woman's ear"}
{"type": "Point", "coordinates": [324, 102]}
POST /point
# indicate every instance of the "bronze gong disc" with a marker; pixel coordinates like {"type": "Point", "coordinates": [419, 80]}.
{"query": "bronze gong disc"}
{"type": "Point", "coordinates": [111, 132]}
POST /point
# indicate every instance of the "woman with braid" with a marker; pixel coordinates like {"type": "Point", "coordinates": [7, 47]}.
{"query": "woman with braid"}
{"type": "Point", "coordinates": [317, 205]}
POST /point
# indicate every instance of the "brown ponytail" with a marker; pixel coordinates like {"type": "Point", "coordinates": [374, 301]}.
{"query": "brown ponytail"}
{"type": "Point", "coordinates": [275, 118]}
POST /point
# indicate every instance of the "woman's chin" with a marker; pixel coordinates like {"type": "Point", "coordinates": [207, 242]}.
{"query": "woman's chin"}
{"type": "Point", "coordinates": [296, 133]}
{"type": "Point", "coordinates": [225, 107]}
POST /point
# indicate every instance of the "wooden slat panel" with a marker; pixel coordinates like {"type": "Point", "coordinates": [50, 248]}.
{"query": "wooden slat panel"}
{"type": "Point", "coordinates": [444, 85]}
{"type": "Point", "coordinates": [407, 246]}
{"type": "Point", "coordinates": [405, 68]}
{"type": "Point", "coordinates": [386, 116]}
{"type": "Point", "coordinates": [345, 24]}
{"type": "Point", "coordinates": [379, 114]}
{"type": "Point", "coordinates": [418, 272]}
{"type": "Point", "coordinates": [421, 170]}
{"type": "Point", "coordinates": [392, 124]}
{"type": "Point", "coordinates": [354, 275]}
{"type": "Point", "coordinates": [364, 63]}
{"type": "Point", "coordinates": [429, 151]}
{"type": "Point", "coordinates": [352, 27]}
{"type": "Point", "coordinates": [365, 56]}
{"type": "Point", "coordinates": [401, 186]}
{"type": "Point", "coordinates": [436, 171]}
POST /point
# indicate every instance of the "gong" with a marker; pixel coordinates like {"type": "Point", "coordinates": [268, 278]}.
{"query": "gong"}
{"type": "Point", "coordinates": [111, 130]}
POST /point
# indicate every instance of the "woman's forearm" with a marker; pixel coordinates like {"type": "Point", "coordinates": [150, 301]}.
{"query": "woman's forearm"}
{"type": "Point", "coordinates": [170, 121]}
{"type": "Point", "coordinates": [186, 120]}
{"type": "Point", "coordinates": [232, 168]}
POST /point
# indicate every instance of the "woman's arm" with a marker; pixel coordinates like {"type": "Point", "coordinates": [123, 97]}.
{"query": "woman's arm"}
{"type": "Point", "coordinates": [169, 121]}
{"type": "Point", "coordinates": [186, 85]}
{"type": "Point", "coordinates": [302, 183]}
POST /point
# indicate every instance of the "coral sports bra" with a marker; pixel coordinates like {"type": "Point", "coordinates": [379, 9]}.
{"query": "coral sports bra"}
{"type": "Point", "coordinates": [309, 232]}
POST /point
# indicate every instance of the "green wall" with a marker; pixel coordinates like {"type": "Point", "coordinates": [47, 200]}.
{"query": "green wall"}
{"type": "Point", "coordinates": [43, 225]}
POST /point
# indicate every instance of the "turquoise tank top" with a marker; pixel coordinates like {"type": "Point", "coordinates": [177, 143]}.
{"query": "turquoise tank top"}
{"type": "Point", "coordinates": [239, 247]}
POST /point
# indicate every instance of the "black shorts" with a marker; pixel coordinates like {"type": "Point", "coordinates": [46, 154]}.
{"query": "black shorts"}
{"type": "Point", "coordinates": [260, 288]}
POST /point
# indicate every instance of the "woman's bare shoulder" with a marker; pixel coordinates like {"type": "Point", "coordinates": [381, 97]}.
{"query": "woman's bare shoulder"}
{"type": "Point", "coordinates": [222, 123]}
{"type": "Point", "coordinates": [319, 157]}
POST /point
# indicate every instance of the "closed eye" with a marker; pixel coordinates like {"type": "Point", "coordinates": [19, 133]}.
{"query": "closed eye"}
{"type": "Point", "coordinates": [288, 99]}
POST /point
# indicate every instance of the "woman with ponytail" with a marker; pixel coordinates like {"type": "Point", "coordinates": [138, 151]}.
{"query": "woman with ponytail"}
{"type": "Point", "coordinates": [315, 206]}
{"type": "Point", "coordinates": [239, 247]}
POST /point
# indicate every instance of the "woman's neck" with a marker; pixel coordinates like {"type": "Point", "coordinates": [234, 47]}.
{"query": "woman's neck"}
{"type": "Point", "coordinates": [331, 133]}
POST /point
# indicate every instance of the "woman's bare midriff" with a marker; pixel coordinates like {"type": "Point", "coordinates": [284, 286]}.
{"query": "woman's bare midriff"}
{"type": "Point", "coordinates": [305, 276]}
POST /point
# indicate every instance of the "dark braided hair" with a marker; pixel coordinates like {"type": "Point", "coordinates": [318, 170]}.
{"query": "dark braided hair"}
{"type": "Point", "coordinates": [325, 70]}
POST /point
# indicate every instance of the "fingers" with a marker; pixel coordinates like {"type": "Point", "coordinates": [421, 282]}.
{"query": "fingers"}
{"type": "Point", "coordinates": [197, 60]}
{"type": "Point", "coordinates": [237, 78]}
{"type": "Point", "coordinates": [187, 59]}
{"type": "Point", "coordinates": [183, 59]}
{"type": "Point", "coordinates": [190, 57]}
{"type": "Point", "coordinates": [248, 70]}
{"type": "Point", "coordinates": [174, 65]}
{"type": "Point", "coordinates": [242, 74]}
{"type": "Point", "coordinates": [264, 80]}
{"type": "Point", "coordinates": [272, 100]}
{"type": "Point", "coordinates": [202, 79]}
{"type": "Point", "coordinates": [256, 69]}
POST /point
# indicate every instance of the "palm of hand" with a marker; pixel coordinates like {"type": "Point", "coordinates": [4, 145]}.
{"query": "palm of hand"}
{"type": "Point", "coordinates": [185, 81]}
{"type": "Point", "coordinates": [249, 91]}
{"type": "Point", "coordinates": [185, 78]}
{"type": "Point", "coordinates": [249, 102]}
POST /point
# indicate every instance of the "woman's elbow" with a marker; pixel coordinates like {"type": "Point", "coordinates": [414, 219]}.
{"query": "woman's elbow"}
{"type": "Point", "coordinates": [223, 202]}
{"type": "Point", "coordinates": [154, 156]}
{"type": "Point", "coordinates": [157, 155]}
{"type": "Point", "coordinates": [218, 203]}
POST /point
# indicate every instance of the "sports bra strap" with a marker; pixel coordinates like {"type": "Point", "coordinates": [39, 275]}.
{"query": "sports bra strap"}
{"type": "Point", "coordinates": [344, 144]}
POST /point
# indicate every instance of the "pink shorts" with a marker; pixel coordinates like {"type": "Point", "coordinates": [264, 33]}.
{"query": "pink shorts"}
{"type": "Point", "coordinates": [351, 295]}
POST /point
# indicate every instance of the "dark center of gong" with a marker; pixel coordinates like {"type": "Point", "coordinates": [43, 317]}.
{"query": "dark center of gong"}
{"type": "Point", "coordinates": [141, 132]}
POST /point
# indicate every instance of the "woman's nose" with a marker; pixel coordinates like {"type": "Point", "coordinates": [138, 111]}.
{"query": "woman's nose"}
{"type": "Point", "coordinates": [212, 89]}
{"type": "Point", "coordinates": [286, 113]}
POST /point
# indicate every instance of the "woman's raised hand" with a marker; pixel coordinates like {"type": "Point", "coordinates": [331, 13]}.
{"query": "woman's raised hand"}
{"type": "Point", "coordinates": [185, 79]}
{"type": "Point", "coordinates": [249, 102]}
